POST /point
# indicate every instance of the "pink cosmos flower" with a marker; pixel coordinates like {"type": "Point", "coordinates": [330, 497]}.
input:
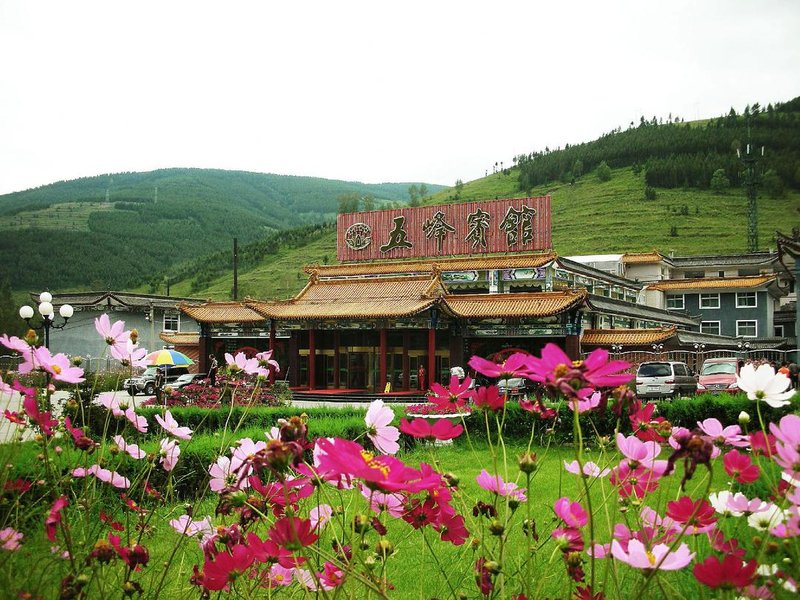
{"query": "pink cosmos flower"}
{"type": "Point", "coordinates": [787, 431]}
{"type": "Point", "coordinates": [278, 575]}
{"type": "Point", "coordinates": [498, 486]}
{"type": "Point", "coordinates": [596, 371]}
{"type": "Point", "coordinates": [488, 397]}
{"type": "Point", "coordinates": [5, 388]}
{"type": "Point", "coordinates": [131, 449]}
{"type": "Point", "coordinates": [765, 384]}
{"type": "Point", "coordinates": [719, 435]}
{"type": "Point", "coordinates": [739, 505]}
{"type": "Point", "coordinates": [17, 345]}
{"type": "Point", "coordinates": [634, 481]}
{"type": "Point", "coordinates": [442, 429]}
{"type": "Point", "coordinates": [571, 513]}
{"type": "Point", "coordinates": [130, 354]}
{"type": "Point", "coordinates": [637, 451]}
{"type": "Point", "coordinates": [59, 366]}
{"type": "Point", "coordinates": [170, 425]}
{"type": "Point", "coordinates": [114, 335]}
{"type": "Point", "coordinates": [104, 475]}
{"type": "Point", "coordinates": [585, 404]}
{"type": "Point", "coordinates": [240, 363]}
{"type": "Point", "coordinates": [394, 504]}
{"type": "Point", "coordinates": [639, 557]}
{"type": "Point", "coordinates": [319, 515]}
{"type": "Point", "coordinates": [170, 451]}
{"type": "Point", "coordinates": [456, 395]}
{"type": "Point", "coordinates": [186, 526]}
{"type": "Point", "coordinates": [43, 419]}
{"type": "Point", "coordinates": [590, 469]}
{"type": "Point", "coordinates": [265, 360]}
{"type": "Point", "coordinates": [383, 435]}
{"type": "Point", "coordinates": [54, 517]}
{"type": "Point", "coordinates": [10, 539]}
{"type": "Point", "coordinates": [139, 422]}
{"type": "Point", "coordinates": [224, 475]}
{"type": "Point", "coordinates": [116, 402]}
{"type": "Point", "coordinates": [740, 467]}
{"type": "Point", "coordinates": [788, 457]}
{"type": "Point", "coordinates": [568, 539]}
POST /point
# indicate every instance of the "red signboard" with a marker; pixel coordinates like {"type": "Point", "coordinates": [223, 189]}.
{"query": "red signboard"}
{"type": "Point", "coordinates": [512, 225]}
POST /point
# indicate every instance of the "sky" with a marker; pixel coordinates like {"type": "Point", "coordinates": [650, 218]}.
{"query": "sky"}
{"type": "Point", "coordinates": [379, 91]}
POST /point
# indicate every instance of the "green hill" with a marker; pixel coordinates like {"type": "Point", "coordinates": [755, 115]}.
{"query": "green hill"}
{"type": "Point", "coordinates": [118, 231]}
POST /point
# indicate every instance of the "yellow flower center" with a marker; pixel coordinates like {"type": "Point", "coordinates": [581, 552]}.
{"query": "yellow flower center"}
{"type": "Point", "coordinates": [651, 557]}
{"type": "Point", "coordinates": [561, 370]}
{"type": "Point", "coordinates": [369, 458]}
{"type": "Point", "coordinates": [56, 369]}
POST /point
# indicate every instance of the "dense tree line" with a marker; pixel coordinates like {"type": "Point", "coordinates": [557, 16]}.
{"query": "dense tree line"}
{"type": "Point", "coordinates": [677, 154]}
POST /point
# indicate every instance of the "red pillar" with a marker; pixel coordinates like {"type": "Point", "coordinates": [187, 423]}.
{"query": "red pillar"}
{"type": "Point", "coordinates": [336, 365]}
{"type": "Point", "coordinates": [406, 362]}
{"type": "Point", "coordinates": [382, 360]}
{"type": "Point", "coordinates": [573, 347]}
{"type": "Point", "coordinates": [432, 375]}
{"type": "Point", "coordinates": [312, 360]}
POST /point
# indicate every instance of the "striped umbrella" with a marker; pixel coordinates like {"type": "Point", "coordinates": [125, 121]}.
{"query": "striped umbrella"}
{"type": "Point", "coordinates": [168, 357]}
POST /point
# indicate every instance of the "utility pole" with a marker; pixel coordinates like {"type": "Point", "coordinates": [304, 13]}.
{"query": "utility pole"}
{"type": "Point", "coordinates": [235, 269]}
{"type": "Point", "coordinates": [749, 160]}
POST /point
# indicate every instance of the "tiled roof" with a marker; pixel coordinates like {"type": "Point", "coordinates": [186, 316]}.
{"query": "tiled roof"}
{"type": "Point", "coordinates": [221, 312]}
{"type": "Point", "coordinates": [180, 339]}
{"type": "Point", "coordinates": [467, 263]}
{"type": "Point", "coordinates": [536, 304]}
{"type": "Point", "coordinates": [109, 298]}
{"type": "Point", "coordinates": [612, 306]}
{"type": "Point", "coordinates": [626, 337]}
{"type": "Point", "coordinates": [749, 259]}
{"type": "Point", "coordinates": [638, 258]}
{"type": "Point", "coordinates": [712, 283]}
{"type": "Point", "coordinates": [383, 297]}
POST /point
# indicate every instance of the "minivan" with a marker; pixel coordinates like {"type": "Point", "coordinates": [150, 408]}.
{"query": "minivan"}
{"type": "Point", "coordinates": [660, 379]}
{"type": "Point", "coordinates": [719, 375]}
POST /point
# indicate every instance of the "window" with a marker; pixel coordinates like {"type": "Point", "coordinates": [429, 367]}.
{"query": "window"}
{"type": "Point", "coordinates": [674, 301]}
{"type": "Point", "coordinates": [746, 328]}
{"type": "Point", "coordinates": [709, 300]}
{"type": "Point", "coordinates": [710, 327]}
{"type": "Point", "coordinates": [746, 300]}
{"type": "Point", "coordinates": [695, 274]}
{"type": "Point", "coordinates": [171, 322]}
{"type": "Point", "coordinates": [778, 331]}
{"type": "Point", "coordinates": [722, 273]}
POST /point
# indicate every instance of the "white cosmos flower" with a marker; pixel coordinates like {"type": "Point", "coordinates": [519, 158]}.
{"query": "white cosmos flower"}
{"type": "Point", "coordinates": [720, 503]}
{"type": "Point", "coordinates": [765, 384]}
{"type": "Point", "coordinates": [767, 519]}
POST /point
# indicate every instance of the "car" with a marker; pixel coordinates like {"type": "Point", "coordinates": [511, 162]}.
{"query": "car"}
{"type": "Point", "coordinates": [188, 379]}
{"type": "Point", "coordinates": [664, 379]}
{"type": "Point", "coordinates": [718, 375]}
{"type": "Point", "coordinates": [145, 383]}
{"type": "Point", "coordinates": [514, 386]}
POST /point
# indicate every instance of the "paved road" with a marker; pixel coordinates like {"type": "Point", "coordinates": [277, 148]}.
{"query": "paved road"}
{"type": "Point", "coordinates": [14, 404]}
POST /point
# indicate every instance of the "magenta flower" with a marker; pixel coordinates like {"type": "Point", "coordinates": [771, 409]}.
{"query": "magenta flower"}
{"type": "Point", "coordinates": [170, 425]}
{"type": "Point", "coordinates": [571, 513]}
{"type": "Point", "coordinates": [170, 451]}
{"type": "Point", "coordinates": [43, 419]}
{"type": "Point", "coordinates": [442, 429]}
{"type": "Point", "coordinates": [590, 469]}
{"type": "Point", "coordinates": [456, 395]}
{"type": "Point", "coordinates": [114, 335]}
{"type": "Point", "coordinates": [515, 365]}
{"type": "Point", "coordinates": [634, 481]}
{"type": "Point", "coordinates": [740, 467]}
{"type": "Point", "coordinates": [54, 517]}
{"type": "Point", "coordinates": [498, 486]}
{"type": "Point", "coordinates": [383, 435]}
{"type": "Point", "coordinates": [10, 539]}
{"type": "Point", "coordinates": [489, 398]}
{"type": "Point", "coordinates": [131, 449]}
{"type": "Point", "coordinates": [226, 567]}
{"type": "Point", "coordinates": [568, 539]}
{"type": "Point", "coordinates": [660, 557]}
{"type": "Point", "coordinates": [601, 372]}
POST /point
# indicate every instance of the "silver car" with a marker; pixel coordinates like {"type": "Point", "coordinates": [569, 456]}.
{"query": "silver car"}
{"type": "Point", "coordinates": [664, 379]}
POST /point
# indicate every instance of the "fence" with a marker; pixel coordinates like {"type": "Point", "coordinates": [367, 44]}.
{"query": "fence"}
{"type": "Point", "coordinates": [94, 364]}
{"type": "Point", "coordinates": [694, 359]}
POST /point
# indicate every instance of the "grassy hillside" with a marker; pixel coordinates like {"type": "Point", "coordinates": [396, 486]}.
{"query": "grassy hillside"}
{"type": "Point", "coordinates": [117, 231]}
{"type": "Point", "coordinates": [589, 217]}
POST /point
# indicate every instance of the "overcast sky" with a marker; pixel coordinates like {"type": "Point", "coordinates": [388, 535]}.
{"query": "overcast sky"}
{"type": "Point", "coordinates": [371, 91]}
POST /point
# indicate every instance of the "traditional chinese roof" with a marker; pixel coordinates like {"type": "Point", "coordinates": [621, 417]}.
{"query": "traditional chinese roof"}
{"type": "Point", "coordinates": [626, 337]}
{"type": "Point", "coordinates": [535, 304]}
{"type": "Point", "coordinates": [713, 283]}
{"type": "Point", "coordinates": [710, 261]}
{"type": "Point", "coordinates": [620, 308]}
{"type": "Point", "coordinates": [79, 300]}
{"type": "Point", "coordinates": [641, 258]}
{"type": "Point", "coordinates": [221, 312]}
{"type": "Point", "coordinates": [383, 297]}
{"type": "Point", "coordinates": [465, 263]}
{"type": "Point", "coordinates": [180, 339]}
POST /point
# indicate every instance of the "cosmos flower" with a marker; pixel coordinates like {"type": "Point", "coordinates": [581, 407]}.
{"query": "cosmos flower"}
{"type": "Point", "coordinates": [764, 384]}
{"type": "Point", "coordinates": [498, 486]}
{"type": "Point", "coordinates": [383, 435]}
{"type": "Point", "coordinates": [132, 449]}
{"type": "Point", "coordinates": [659, 556]}
{"type": "Point", "coordinates": [170, 451]}
{"type": "Point", "coordinates": [730, 572]}
{"type": "Point", "coordinates": [572, 513]}
{"type": "Point", "coordinates": [590, 469]}
{"type": "Point", "coordinates": [54, 517]}
{"type": "Point", "coordinates": [10, 539]}
{"type": "Point", "coordinates": [139, 422]}
{"type": "Point", "coordinates": [114, 335]}
{"type": "Point", "coordinates": [740, 467]}
{"type": "Point", "coordinates": [59, 366]}
{"type": "Point", "coordinates": [456, 395]}
{"type": "Point", "coordinates": [719, 435]}
{"type": "Point", "coordinates": [170, 425]}
{"type": "Point", "coordinates": [585, 404]}
{"type": "Point", "coordinates": [488, 397]}
{"type": "Point", "coordinates": [130, 354]}
{"type": "Point", "coordinates": [226, 567]}
{"type": "Point", "coordinates": [104, 475]}
{"type": "Point", "coordinates": [240, 363]}
{"type": "Point", "coordinates": [442, 429]}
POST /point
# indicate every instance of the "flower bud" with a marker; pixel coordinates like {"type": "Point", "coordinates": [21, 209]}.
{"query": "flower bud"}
{"type": "Point", "coordinates": [513, 504]}
{"type": "Point", "coordinates": [370, 562]}
{"type": "Point", "coordinates": [384, 548]}
{"type": "Point", "coordinates": [772, 548]}
{"type": "Point", "coordinates": [492, 566]}
{"type": "Point", "coordinates": [496, 527]}
{"type": "Point", "coordinates": [451, 479]}
{"type": "Point", "coordinates": [527, 462]}
{"type": "Point", "coordinates": [361, 523]}
{"type": "Point", "coordinates": [744, 418]}
{"type": "Point", "coordinates": [134, 336]}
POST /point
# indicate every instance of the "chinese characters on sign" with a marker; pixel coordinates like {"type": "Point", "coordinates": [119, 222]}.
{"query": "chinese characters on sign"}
{"type": "Point", "coordinates": [513, 225]}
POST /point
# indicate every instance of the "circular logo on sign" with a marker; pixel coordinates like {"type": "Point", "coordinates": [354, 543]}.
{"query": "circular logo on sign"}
{"type": "Point", "coordinates": [358, 236]}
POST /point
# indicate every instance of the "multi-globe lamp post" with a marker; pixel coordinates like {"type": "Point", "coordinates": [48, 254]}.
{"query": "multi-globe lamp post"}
{"type": "Point", "coordinates": [46, 312]}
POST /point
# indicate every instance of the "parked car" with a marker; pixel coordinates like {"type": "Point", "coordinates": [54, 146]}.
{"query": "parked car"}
{"type": "Point", "coordinates": [146, 382]}
{"type": "Point", "coordinates": [188, 379]}
{"type": "Point", "coordinates": [719, 375]}
{"type": "Point", "coordinates": [514, 385]}
{"type": "Point", "coordinates": [662, 379]}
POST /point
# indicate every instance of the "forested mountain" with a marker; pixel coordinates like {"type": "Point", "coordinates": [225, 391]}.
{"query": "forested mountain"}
{"type": "Point", "coordinates": [117, 231]}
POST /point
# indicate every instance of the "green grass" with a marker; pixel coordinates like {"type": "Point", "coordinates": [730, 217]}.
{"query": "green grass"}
{"type": "Point", "coordinates": [72, 216]}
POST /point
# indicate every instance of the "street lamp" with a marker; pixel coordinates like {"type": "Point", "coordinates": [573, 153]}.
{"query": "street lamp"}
{"type": "Point", "coordinates": [743, 347]}
{"type": "Point", "coordinates": [658, 348]}
{"type": "Point", "coordinates": [616, 348]}
{"type": "Point", "coordinates": [699, 347]}
{"type": "Point", "coordinates": [46, 311]}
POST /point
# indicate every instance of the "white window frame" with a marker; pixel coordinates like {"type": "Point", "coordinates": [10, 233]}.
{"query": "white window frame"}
{"type": "Point", "coordinates": [675, 297]}
{"type": "Point", "coordinates": [172, 317]}
{"type": "Point", "coordinates": [710, 297]}
{"type": "Point", "coordinates": [782, 330]}
{"type": "Point", "coordinates": [718, 324]}
{"type": "Point", "coordinates": [740, 304]}
{"type": "Point", "coordinates": [755, 328]}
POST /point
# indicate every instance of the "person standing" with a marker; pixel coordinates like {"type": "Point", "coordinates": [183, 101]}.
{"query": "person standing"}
{"type": "Point", "coordinates": [159, 384]}
{"type": "Point", "coordinates": [213, 367]}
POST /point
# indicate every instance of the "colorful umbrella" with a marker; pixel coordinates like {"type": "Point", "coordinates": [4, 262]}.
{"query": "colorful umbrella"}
{"type": "Point", "coordinates": [168, 357]}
